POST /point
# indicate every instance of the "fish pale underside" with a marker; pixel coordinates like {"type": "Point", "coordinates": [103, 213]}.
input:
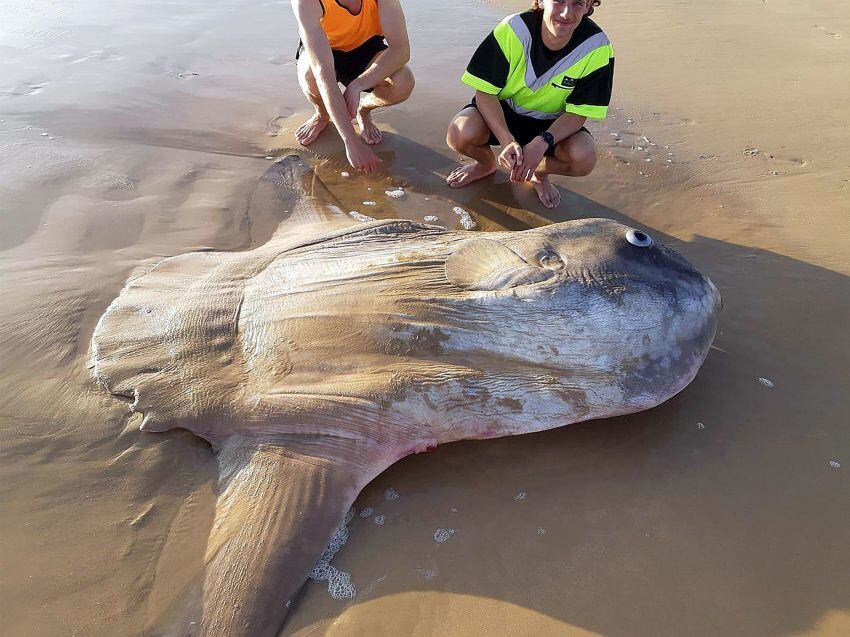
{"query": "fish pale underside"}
{"type": "Point", "coordinates": [315, 361]}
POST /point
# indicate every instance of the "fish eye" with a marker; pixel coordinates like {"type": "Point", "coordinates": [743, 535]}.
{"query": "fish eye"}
{"type": "Point", "coordinates": [638, 238]}
{"type": "Point", "coordinates": [551, 261]}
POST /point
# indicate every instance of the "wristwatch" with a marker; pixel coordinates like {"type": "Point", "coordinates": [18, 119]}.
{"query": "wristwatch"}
{"type": "Point", "coordinates": [549, 139]}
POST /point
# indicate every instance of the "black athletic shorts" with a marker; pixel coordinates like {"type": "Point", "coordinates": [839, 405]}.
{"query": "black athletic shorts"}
{"type": "Point", "coordinates": [350, 64]}
{"type": "Point", "coordinates": [522, 127]}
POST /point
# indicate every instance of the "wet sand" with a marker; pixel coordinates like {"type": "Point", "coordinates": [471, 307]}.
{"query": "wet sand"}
{"type": "Point", "coordinates": [723, 512]}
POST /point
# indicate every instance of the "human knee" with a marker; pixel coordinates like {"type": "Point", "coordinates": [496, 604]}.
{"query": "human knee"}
{"type": "Point", "coordinates": [580, 157]}
{"type": "Point", "coordinates": [456, 136]}
{"type": "Point", "coordinates": [403, 83]}
{"type": "Point", "coordinates": [584, 162]}
{"type": "Point", "coordinates": [397, 87]}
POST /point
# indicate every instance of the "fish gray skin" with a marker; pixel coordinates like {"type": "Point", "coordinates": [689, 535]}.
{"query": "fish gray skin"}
{"type": "Point", "coordinates": [314, 362]}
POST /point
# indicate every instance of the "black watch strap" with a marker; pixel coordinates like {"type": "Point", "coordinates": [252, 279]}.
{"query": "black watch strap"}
{"type": "Point", "coordinates": [549, 139]}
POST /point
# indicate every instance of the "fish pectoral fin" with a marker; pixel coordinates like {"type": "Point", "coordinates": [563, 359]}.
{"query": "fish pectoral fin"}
{"type": "Point", "coordinates": [276, 512]}
{"type": "Point", "coordinates": [486, 265]}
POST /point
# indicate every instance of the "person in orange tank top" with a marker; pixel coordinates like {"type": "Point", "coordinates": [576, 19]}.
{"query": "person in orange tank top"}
{"type": "Point", "coordinates": [363, 45]}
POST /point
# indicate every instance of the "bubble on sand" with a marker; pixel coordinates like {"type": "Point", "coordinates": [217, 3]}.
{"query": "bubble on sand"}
{"type": "Point", "coordinates": [431, 218]}
{"type": "Point", "coordinates": [360, 217]}
{"type": "Point", "coordinates": [340, 585]}
{"type": "Point", "coordinates": [367, 512]}
{"type": "Point", "coordinates": [398, 193]}
{"type": "Point", "coordinates": [380, 519]}
{"type": "Point", "coordinates": [521, 495]}
{"type": "Point", "coordinates": [835, 464]}
{"type": "Point", "coordinates": [391, 494]}
{"type": "Point", "coordinates": [766, 382]}
{"type": "Point", "coordinates": [441, 535]}
{"type": "Point", "coordinates": [44, 134]}
{"type": "Point", "coordinates": [465, 218]}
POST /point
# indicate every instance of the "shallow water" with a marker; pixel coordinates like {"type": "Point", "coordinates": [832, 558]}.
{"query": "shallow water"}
{"type": "Point", "coordinates": [141, 131]}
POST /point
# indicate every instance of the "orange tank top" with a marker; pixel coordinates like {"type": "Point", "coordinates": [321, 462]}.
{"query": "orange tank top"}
{"type": "Point", "coordinates": [347, 31]}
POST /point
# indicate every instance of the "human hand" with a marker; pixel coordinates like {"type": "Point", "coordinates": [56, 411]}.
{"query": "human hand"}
{"type": "Point", "coordinates": [510, 157]}
{"type": "Point", "coordinates": [361, 157]}
{"type": "Point", "coordinates": [351, 95]}
{"type": "Point", "coordinates": [532, 154]}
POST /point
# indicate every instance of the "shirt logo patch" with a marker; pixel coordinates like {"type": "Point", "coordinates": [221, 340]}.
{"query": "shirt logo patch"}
{"type": "Point", "coordinates": [567, 83]}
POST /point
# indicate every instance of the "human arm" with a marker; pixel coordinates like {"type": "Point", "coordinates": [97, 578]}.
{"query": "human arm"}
{"type": "Point", "coordinates": [493, 115]}
{"type": "Point", "coordinates": [534, 151]}
{"type": "Point", "coordinates": [318, 49]}
{"type": "Point", "coordinates": [387, 62]}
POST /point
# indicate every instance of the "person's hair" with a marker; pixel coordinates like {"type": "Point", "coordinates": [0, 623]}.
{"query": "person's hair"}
{"type": "Point", "coordinates": [537, 5]}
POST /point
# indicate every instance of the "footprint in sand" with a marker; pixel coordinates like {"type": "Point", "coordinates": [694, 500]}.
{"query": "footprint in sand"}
{"type": "Point", "coordinates": [828, 32]}
{"type": "Point", "coordinates": [274, 125]}
{"type": "Point", "coordinates": [755, 152]}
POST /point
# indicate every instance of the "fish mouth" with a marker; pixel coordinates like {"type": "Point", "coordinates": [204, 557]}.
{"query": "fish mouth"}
{"type": "Point", "coordinates": [717, 295]}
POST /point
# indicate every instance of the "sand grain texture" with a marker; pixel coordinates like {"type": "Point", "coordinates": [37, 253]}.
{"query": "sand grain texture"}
{"type": "Point", "coordinates": [161, 119]}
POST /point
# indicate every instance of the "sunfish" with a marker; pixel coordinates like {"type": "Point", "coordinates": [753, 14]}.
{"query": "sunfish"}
{"type": "Point", "coordinates": [314, 362]}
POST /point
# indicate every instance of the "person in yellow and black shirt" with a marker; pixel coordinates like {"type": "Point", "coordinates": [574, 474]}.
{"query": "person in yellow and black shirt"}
{"type": "Point", "coordinates": [363, 45]}
{"type": "Point", "coordinates": [537, 78]}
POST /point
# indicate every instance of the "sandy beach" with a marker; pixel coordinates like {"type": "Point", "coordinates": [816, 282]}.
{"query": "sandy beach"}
{"type": "Point", "coordinates": [141, 131]}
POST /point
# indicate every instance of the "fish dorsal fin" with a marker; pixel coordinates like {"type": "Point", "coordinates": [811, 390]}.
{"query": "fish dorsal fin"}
{"type": "Point", "coordinates": [487, 265]}
{"type": "Point", "coordinates": [276, 512]}
{"type": "Point", "coordinates": [289, 195]}
{"type": "Point", "coordinates": [290, 199]}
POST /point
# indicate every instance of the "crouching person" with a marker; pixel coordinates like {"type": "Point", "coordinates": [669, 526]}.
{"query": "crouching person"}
{"type": "Point", "coordinates": [537, 78]}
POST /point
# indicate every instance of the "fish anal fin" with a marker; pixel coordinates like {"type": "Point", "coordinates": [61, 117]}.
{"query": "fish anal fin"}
{"type": "Point", "coordinates": [276, 512]}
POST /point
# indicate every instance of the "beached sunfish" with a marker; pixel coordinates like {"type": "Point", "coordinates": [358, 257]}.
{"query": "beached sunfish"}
{"type": "Point", "coordinates": [316, 361]}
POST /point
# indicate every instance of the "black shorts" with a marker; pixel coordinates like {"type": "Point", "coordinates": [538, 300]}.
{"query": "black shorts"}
{"type": "Point", "coordinates": [522, 127]}
{"type": "Point", "coordinates": [349, 65]}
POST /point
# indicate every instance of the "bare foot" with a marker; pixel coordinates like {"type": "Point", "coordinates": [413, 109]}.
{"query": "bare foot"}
{"type": "Point", "coordinates": [547, 193]}
{"type": "Point", "coordinates": [465, 175]}
{"type": "Point", "coordinates": [370, 133]}
{"type": "Point", "coordinates": [311, 129]}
